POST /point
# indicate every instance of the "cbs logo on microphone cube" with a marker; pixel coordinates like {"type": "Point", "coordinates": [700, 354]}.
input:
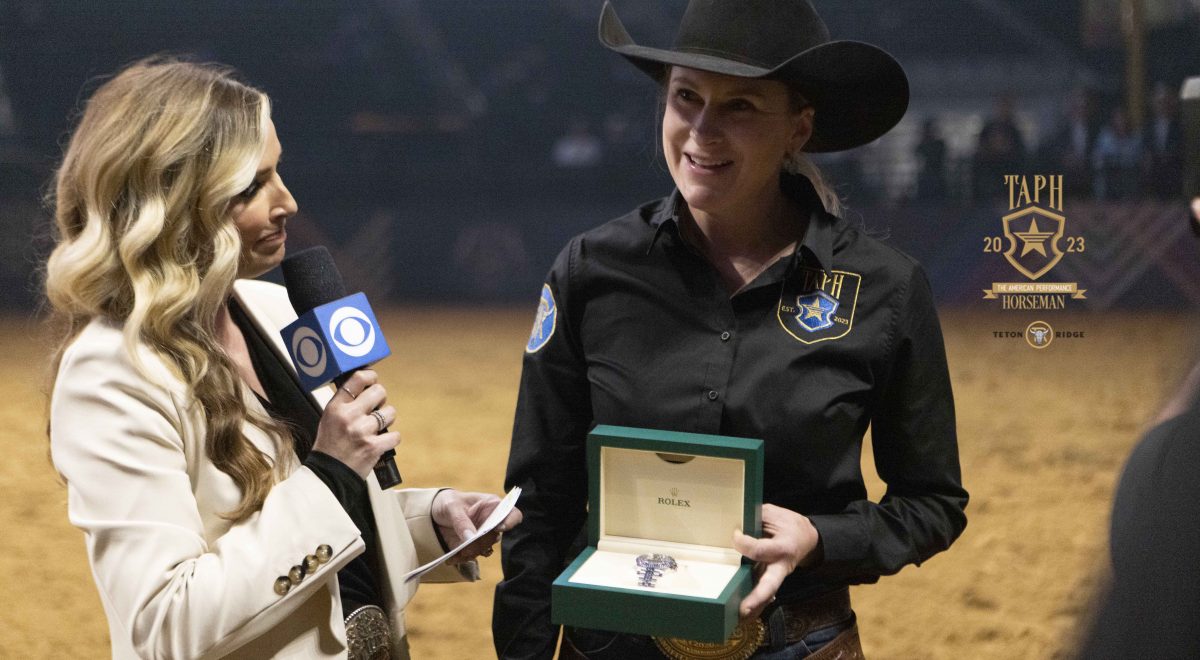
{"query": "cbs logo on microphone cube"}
{"type": "Point", "coordinates": [333, 339]}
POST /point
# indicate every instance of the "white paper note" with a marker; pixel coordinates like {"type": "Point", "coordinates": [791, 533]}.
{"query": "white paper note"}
{"type": "Point", "coordinates": [498, 514]}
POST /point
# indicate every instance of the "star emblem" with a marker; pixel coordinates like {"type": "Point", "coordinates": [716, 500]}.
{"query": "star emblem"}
{"type": "Point", "coordinates": [816, 311]}
{"type": "Point", "coordinates": [813, 311]}
{"type": "Point", "coordinates": [1033, 240]}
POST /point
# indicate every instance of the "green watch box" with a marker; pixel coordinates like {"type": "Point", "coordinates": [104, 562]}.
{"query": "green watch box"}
{"type": "Point", "coordinates": [663, 493]}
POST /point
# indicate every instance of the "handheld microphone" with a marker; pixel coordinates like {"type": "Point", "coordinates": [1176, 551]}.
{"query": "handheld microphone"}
{"type": "Point", "coordinates": [335, 334]}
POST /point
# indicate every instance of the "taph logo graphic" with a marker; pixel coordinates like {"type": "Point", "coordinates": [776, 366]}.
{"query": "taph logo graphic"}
{"type": "Point", "coordinates": [1039, 245]}
{"type": "Point", "coordinates": [824, 304]}
{"type": "Point", "coordinates": [309, 351]}
{"type": "Point", "coordinates": [351, 331]}
{"type": "Point", "coordinates": [1036, 235]}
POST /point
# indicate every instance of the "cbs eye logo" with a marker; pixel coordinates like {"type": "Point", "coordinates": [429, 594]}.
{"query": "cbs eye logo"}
{"type": "Point", "coordinates": [309, 351]}
{"type": "Point", "coordinates": [351, 331]}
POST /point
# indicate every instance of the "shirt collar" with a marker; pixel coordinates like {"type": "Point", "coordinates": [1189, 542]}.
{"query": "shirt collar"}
{"type": "Point", "coordinates": [818, 239]}
{"type": "Point", "coordinates": [667, 213]}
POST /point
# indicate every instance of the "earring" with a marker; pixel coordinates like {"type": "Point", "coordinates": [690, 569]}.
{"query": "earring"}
{"type": "Point", "coordinates": [793, 163]}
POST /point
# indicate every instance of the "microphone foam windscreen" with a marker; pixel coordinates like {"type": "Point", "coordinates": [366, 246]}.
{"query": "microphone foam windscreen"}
{"type": "Point", "coordinates": [312, 279]}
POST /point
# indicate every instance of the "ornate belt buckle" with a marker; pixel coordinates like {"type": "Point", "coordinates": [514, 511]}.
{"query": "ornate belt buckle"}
{"type": "Point", "coordinates": [746, 639]}
{"type": "Point", "coordinates": [368, 634]}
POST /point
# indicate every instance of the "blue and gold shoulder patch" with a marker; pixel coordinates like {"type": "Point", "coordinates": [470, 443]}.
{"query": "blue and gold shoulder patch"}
{"type": "Point", "coordinates": [544, 323]}
{"type": "Point", "coordinates": [818, 306]}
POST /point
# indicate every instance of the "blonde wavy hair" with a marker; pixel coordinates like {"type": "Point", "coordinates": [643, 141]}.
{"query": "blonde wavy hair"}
{"type": "Point", "coordinates": [144, 238]}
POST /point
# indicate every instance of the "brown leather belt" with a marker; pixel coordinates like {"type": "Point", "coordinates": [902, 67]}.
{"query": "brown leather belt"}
{"type": "Point", "coordinates": [846, 646]}
{"type": "Point", "coordinates": [803, 617]}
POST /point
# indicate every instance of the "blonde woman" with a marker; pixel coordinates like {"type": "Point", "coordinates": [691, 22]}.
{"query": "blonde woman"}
{"type": "Point", "coordinates": [226, 512]}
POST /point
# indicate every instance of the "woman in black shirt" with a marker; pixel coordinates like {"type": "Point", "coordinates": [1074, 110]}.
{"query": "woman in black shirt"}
{"type": "Point", "coordinates": [742, 305]}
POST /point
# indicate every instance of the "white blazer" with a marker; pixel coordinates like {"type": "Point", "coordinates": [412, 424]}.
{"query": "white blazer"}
{"type": "Point", "coordinates": [177, 580]}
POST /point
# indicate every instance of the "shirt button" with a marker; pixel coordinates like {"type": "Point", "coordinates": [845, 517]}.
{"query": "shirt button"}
{"type": "Point", "coordinates": [282, 586]}
{"type": "Point", "coordinates": [712, 395]}
{"type": "Point", "coordinates": [311, 564]}
{"type": "Point", "coordinates": [725, 336]}
{"type": "Point", "coordinates": [324, 553]}
{"type": "Point", "coordinates": [294, 575]}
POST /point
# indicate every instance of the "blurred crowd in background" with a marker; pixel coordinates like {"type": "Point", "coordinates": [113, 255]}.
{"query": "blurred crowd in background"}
{"type": "Point", "coordinates": [476, 135]}
{"type": "Point", "coordinates": [1102, 153]}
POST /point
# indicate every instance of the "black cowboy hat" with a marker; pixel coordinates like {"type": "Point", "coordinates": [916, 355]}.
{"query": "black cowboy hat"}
{"type": "Point", "coordinates": [858, 90]}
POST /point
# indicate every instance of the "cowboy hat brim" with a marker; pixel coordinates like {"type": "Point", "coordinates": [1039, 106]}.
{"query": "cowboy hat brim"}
{"type": "Point", "coordinates": [858, 90]}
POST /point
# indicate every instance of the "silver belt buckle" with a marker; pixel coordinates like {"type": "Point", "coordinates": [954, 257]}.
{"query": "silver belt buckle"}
{"type": "Point", "coordinates": [368, 634]}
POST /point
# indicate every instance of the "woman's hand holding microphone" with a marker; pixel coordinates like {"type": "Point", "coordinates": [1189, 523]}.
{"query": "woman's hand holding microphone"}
{"type": "Point", "coordinates": [351, 427]}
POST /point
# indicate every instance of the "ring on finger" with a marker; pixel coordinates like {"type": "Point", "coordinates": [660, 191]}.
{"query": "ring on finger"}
{"type": "Point", "coordinates": [348, 392]}
{"type": "Point", "coordinates": [379, 418]}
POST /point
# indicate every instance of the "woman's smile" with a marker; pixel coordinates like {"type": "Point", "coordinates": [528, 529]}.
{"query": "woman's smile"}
{"type": "Point", "coordinates": [706, 165]}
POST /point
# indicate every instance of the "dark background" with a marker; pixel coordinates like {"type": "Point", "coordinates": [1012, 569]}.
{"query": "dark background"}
{"type": "Point", "coordinates": [420, 136]}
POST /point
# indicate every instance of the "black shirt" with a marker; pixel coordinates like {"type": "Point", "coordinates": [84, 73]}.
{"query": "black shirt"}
{"type": "Point", "coordinates": [288, 403]}
{"type": "Point", "coordinates": [637, 329]}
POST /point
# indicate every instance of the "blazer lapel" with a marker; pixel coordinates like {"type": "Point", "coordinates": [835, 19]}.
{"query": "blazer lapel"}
{"type": "Point", "coordinates": [268, 307]}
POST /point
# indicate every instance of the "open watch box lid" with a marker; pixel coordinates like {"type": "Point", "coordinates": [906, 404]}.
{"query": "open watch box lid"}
{"type": "Point", "coordinates": [673, 487]}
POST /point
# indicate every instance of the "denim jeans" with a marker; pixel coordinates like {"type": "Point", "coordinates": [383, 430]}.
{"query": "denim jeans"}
{"type": "Point", "coordinates": [812, 642]}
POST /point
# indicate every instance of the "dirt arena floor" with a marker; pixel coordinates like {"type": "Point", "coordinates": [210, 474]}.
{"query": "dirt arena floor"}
{"type": "Point", "coordinates": [1043, 435]}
